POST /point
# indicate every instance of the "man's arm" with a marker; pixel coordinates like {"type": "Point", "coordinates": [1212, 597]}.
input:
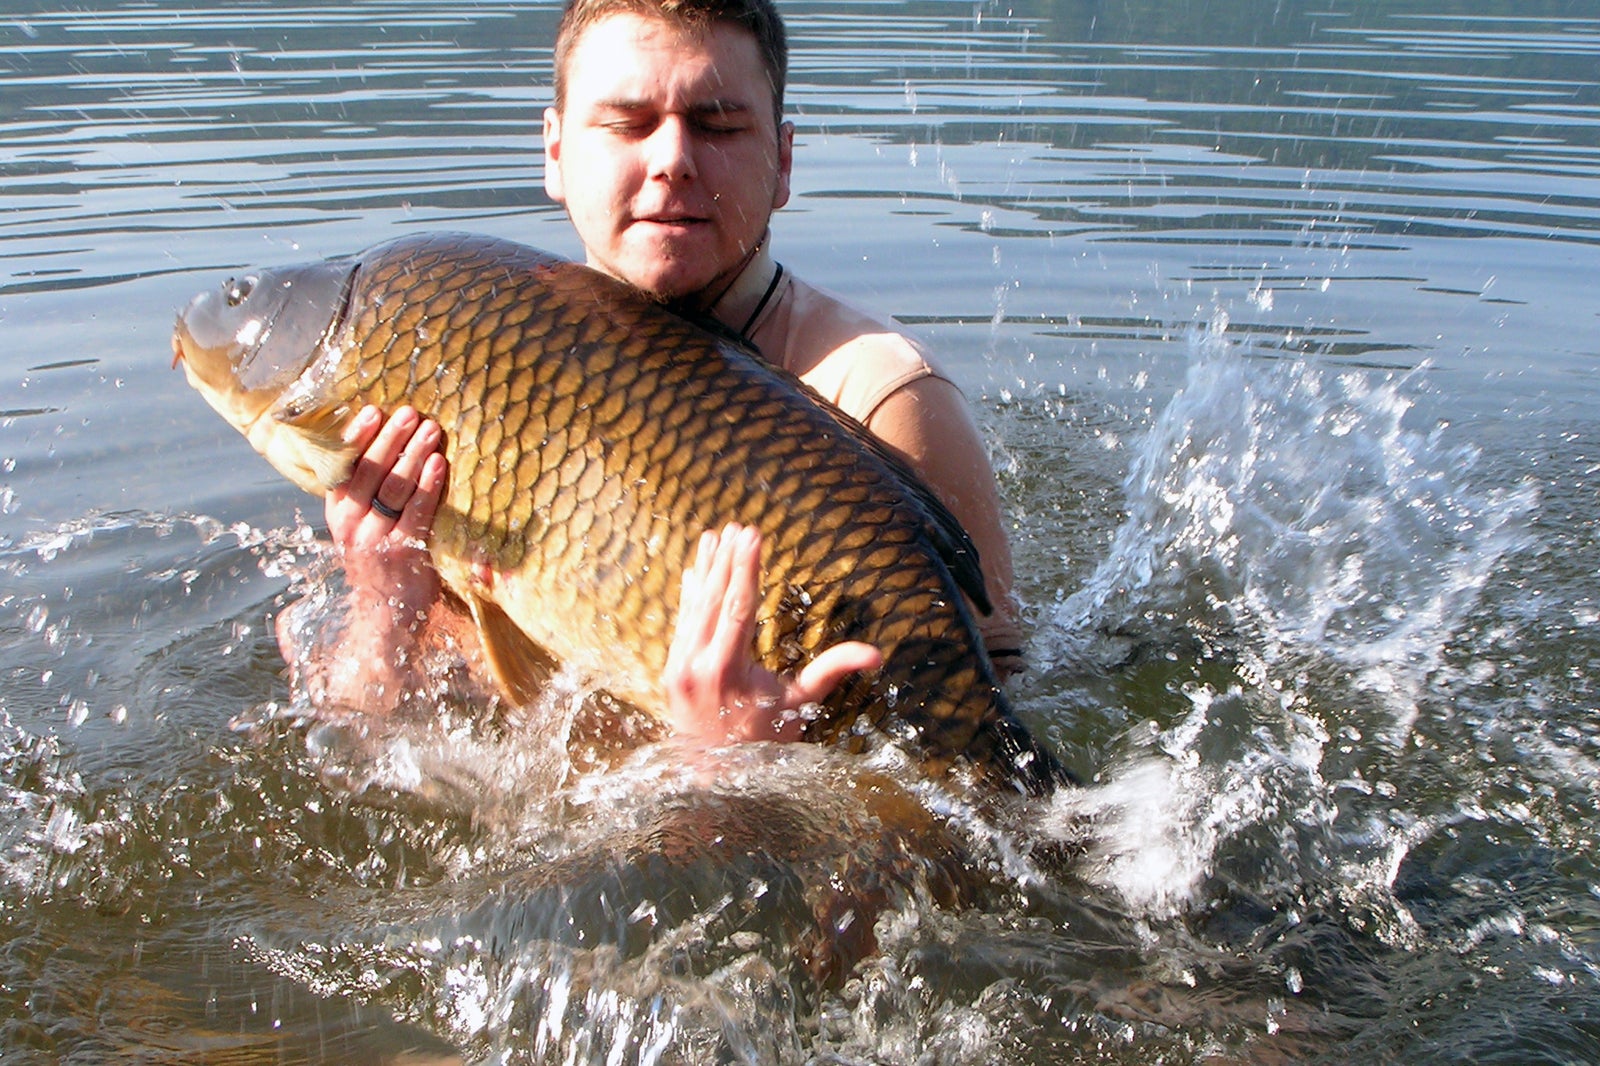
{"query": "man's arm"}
{"type": "Point", "coordinates": [370, 663]}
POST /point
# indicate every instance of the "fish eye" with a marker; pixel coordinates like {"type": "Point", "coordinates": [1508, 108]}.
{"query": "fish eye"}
{"type": "Point", "coordinates": [237, 290]}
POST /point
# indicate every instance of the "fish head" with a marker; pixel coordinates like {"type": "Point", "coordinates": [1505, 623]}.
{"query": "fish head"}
{"type": "Point", "coordinates": [251, 347]}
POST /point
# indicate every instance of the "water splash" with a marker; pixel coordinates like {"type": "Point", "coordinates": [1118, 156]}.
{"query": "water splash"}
{"type": "Point", "coordinates": [88, 601]}
{"type": "Point", "coordinates": [681, 900]}
{"type": "Point", "coordinates": [1293, 528]}
{"type": "Point", "coordinates": [1297, 509]}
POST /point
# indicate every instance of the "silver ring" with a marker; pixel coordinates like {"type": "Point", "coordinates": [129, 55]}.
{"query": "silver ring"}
{"type": "Point", "coordinates": [384, 509]}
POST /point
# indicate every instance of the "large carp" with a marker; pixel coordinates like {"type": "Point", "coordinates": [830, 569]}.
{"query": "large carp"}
{"type": "Point", "coordinates": [592, 435]}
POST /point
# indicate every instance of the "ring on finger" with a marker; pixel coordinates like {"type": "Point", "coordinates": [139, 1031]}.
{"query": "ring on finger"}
{"type": "Point", "coordinates": [384, 509]}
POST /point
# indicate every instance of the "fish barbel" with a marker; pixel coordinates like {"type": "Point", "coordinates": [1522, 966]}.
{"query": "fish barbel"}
{"type": "Point", "coordinates": [592, 435]}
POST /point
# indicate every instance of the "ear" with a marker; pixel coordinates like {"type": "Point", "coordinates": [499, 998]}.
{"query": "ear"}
{"type": "Point", "coordinates": [552, 157]}
{"type": "Point", "coordinates": [780, 194]}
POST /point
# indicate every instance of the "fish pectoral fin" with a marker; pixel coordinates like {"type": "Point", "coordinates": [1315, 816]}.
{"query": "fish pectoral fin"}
{"type": "Point", "coordinates": [522, 667]}
{"type": "Point", "coordinates": [313, 453]}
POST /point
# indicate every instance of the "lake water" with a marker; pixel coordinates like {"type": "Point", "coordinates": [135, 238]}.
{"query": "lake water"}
{"type": "Point", "coordinates": [1281, 320]}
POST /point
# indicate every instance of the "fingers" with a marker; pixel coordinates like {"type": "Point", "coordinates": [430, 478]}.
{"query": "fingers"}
{"type": "Point", "coordinates": [711, 669]}
{"type": "Point", "coordinates": [717, 605]}
{"type": "Point", "coordinates": [734, 580]}
{"type": "Point", "coordinates": [385, 473]}
{"type": "Point", "coordinates": [424, 502]}
{"type": "Point", "coordinates": [697, 610]}
{"type": "Point", "coordinates": [396, 482]}
{"type": "Point", "coordinates": [716, 689]}
{"type": "Point", "coordinates": [818, 678]}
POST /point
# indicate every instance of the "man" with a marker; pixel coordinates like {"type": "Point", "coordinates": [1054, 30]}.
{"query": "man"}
{"type": "Point", "coordinates": [667, 147]}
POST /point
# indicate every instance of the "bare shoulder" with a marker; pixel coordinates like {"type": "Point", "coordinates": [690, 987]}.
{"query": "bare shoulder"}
{"type": "Point", "coordinates": [855, 358]}
{"type": "Point", "coordinates": [928, 420]}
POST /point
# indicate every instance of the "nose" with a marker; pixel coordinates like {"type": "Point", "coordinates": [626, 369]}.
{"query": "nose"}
{"type": "Point", "coordinates": [670, 150]}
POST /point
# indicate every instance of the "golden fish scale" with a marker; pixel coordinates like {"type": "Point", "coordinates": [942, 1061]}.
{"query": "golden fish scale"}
{"type": "Point", "coordinates": [591, 435]}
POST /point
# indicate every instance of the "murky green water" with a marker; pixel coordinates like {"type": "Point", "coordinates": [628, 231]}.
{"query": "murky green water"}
{"type": "Point", "coordinates": [1280, 319]}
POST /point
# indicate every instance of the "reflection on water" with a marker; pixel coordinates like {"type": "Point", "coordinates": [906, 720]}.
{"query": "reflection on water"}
{"type": "Point", "coordinates": [1278, 317]}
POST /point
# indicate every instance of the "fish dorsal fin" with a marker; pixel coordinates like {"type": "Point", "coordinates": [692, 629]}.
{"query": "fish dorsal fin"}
{"type": "Point", "coordinates": [522, 667]}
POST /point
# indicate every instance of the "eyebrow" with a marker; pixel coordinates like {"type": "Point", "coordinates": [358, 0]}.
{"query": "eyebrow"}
{"type": "Point", "coordinates": [710, 107]}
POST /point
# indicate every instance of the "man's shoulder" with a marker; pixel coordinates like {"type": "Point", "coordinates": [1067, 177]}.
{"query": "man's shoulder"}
{"type": "Point", "coordinates": [823, 324]}
{"type": "Point", "coordinates": [839, 316]}
{"type": "Point", "coordinates": [854, 357]}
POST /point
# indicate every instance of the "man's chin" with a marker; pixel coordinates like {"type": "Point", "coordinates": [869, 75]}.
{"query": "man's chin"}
{"type": "Point", "coordinates": [671, 285]}
{"type": "Point", "coordinates": [669, 267]}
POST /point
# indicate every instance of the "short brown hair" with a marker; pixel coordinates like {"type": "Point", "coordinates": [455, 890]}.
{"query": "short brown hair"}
{"type": "Point", "coordinates": [759, 17]}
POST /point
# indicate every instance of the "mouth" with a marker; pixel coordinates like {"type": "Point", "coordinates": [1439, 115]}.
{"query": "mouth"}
{"type": "Point", "coordinates": [673, 221]}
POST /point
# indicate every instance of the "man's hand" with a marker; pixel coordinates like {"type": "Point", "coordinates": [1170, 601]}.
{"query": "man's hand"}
{"type": "Point", "coordinates": [380, 519]}
{"type": "Point", "coordinates": [716, 691]}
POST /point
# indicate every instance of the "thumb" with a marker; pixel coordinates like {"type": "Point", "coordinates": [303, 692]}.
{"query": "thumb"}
{"type": "Point", "coordinates": [818, 678]}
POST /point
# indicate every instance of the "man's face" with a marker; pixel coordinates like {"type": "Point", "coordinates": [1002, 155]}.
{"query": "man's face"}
{"type": "Point", "coordinates": [667, 153]}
